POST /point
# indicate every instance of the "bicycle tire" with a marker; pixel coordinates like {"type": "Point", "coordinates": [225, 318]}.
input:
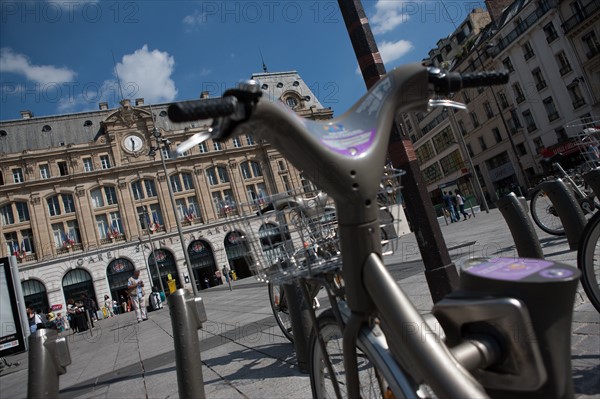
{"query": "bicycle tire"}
{"type": "Point", "coordinates": [280, 310]}
{"type": "Point", "coordinates": [544, 214]}
{"type": "Point", "coordinates": [588, 260]}
{"type": "Point", "coordinates": [371, 368]}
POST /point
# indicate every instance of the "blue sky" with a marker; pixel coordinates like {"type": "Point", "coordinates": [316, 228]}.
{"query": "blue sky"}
{"type": "Point", "coordinates": [57, 56]}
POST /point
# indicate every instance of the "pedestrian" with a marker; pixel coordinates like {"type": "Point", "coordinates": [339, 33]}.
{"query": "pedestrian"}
{"type": "Point", "coordinates": [219, 277]}
{"type": "Point", "coordinates": [136, 294]}
{"type": "Point", "coordinates": [88, 306]}
{"type": "Point", "coordinates": [108, 304]}
{"type": "Point", "coordinates": [461, 205]}
{"type": "Point", "coordinates": [71, 315]}
{"type": "Point", "coordinates": [116, 307]}
{"type": "Point", "coordinates": [35, 321]}
{"type": "Point", "coordinates": [449, 205]}
{"type": "Point", "coordinates": [123, 304]}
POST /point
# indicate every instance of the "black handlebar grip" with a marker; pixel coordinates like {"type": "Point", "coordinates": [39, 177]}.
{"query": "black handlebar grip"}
{"type": "Point", "coordinates": [488, 78]}
{"type": "Point", "coordinates": [194, 110]}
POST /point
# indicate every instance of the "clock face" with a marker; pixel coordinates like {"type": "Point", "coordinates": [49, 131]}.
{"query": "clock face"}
{"type": "Point", "coordinates": [133, 143]}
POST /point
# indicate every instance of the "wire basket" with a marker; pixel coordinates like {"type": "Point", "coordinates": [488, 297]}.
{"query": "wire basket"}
{"type": "Point", "coordinates": [295, 234]}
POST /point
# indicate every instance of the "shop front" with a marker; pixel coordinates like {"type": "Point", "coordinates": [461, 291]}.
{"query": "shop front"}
{"type": "Point", "coordinates": [203, 263]}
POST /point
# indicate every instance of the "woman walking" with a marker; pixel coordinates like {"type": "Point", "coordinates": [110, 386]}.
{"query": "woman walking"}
{"type": "Point", "coordinates": [461, 205]}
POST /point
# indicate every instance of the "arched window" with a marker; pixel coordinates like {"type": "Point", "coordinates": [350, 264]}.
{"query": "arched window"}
{"type": "Point", "coordinates": [8, 212]}
{"type": "Point", "coordinates": [250, 169]}
{"type": "Point", "coordinates": [145, 188]}
{"type": "Point", "coordinates": [182, 182]}
{"type": "Point", "coordinates": [76, 283]}
{"type": "Point", "coordinates": [217, 175]}
{"type": "Point", "coordinates": [34, 295]}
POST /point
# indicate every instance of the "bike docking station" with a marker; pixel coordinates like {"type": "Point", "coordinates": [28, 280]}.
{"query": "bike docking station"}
{"type": "Point", "coordinates": [48, 358]}
{"type": "Point", "coordinates": [187, 315]}
{"type": "Point", "coordinates": [592, 178]}
{"type": "Point", "coordinates": [568, 209]}
{"type": "Point", "coordinates": [521, 228]}
{"type": "Point", "coordinates": [498, 325]}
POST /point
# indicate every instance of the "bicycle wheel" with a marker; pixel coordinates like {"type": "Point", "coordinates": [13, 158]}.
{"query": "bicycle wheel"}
{"type": "Point", "coordinates": [544, 214]}
{"type": "Point", "coordinates": [588, 260]}
{"type": "Point", "coordinates": [370, 371]}
{"type": "Point", "coordinates": [280, 309]}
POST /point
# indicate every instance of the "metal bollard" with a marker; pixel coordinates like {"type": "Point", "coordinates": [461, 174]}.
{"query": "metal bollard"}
{"type": "Point", "coordinates": [593, 179]}
{"type": "Point", "coordinates": [48, 358]}
{"type": "Point", "coordinates": [568, 210]}
{"type": "Point", "coordinates": [301, 323]}
{"type": "Point", "coordinates": [187, 315]}
{"type": "Point", "coordinates": [520, 226]}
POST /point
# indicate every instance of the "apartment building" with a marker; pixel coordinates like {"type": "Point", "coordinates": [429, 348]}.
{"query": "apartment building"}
{"type": "Point", "coordinates": [85, 198]}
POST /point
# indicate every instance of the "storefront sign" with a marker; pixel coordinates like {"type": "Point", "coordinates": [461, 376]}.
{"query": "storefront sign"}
{"type": "Point", "coordinates": [214, 230]}
{"type": "Point", "coordinates": [501, 172]}
{"type": "Point", "coordinates": [57, 307]}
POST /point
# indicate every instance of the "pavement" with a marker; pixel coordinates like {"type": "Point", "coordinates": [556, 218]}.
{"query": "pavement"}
{"type": "Point", "coordinates": [245, 355]}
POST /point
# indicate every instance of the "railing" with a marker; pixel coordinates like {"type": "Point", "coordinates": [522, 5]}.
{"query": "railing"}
{"type": "Point", "coordinates": [588, 10]}
{"type": "Point", "coordinates": [527, 23]}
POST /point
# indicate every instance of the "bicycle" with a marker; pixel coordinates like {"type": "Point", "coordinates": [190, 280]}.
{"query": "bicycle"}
{"type": "Point", "coordinates": [544, 213]}
{"type": "Point", "coordinates": [588, 260]}
{"type": "Point", "coordinates": [477, 352]}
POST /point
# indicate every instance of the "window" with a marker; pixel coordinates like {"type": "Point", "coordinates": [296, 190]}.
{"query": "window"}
{"type": "Point", "coordinates": [237, 142]}
{"type": "Point", "coordinates": [292, 102]}
{"type": "Point", "coordinates": [563, 63]}
{"type": "Point", "coordinates": [68, 203]}
{"type": "Point", "coordinates": [432, 173]}
{"type": "Point", "coordinates": [224, 202]}
{"type": "Point", "coordinates": [111, 195]}
{"type": "Point", "coordinates": [202, 147]}
{"type": "Point", "coordinates": [443, 140]}
{"type": "Point", "coordinates": [521, 149]}
{"type": "Point", "coordinates": [550, 109]}
{"type": "Point", "coordinates": [17, 175]}
{"type": "Point", "coordinates": [592, 44]}
{"type": "Point", "coordinates": [281, 165]}
{"type": "Point", "coordinates": [256, 193]}
{"type": "Point", "coordinates": [488, 109]}
{"type": "Point", "coordinates": [150, 188]}
{"type": "Point", "coordinates": [181, 182]}
{"type": "Point", "coordinates": [166, 152]}
{"type": "Point", "coordinates": [143, 188]}
{"type": "Point", "coordinates": [66, 234]}
{"type": "Point", "coordinates": [538, 78]}
{"type": "Point", "coordinates": [97, 198]}
{"type": "Point", "coordinates": [250, 169]}
{"type": "Point", "coordinates": [503, 100]}
{"type": "Point", "coordinates": [217, 146]}
{"type": "Point", "coordinates": [470, 150]}
{"type": "Point", "coordinates": [452, 162]}
{"type": "Point", "coordinates": [286, 183]}
{"type": "Point", "coordinates": [63, 169]}
{"type": "Point", "coordinates": [217, 175]}
{"type": "Point", "coordinates": [149, 216]}
{"type": "Point", "coordinates": [250, 139]}
{"type": "Point", "coordinates": [188, 208]}
{"type": "Point", "coordinates": [529, 121]}
{"type": "Point", "coordinates": [53, 206]}
{"type": "Point", "coordinates": [538, 143]}
{"type": "Point", "coordinates": [8, 217]}
{"type": "Point", "coordinates": [45, 171]}
{"type": "Point", "coordinates": [518, 92]}
{"type": "Point", "coordinates": [474, 119]}
{"type": "Point", "coordinates": [508, 64]}
{"type": "Point", "coordinates": [576, 97]}
{"type": "Point", "coordinates": [497, 135]}
{"type": "Point", "coordinates": [461, 126]}
{"type": "Point", "coordinates": [550, 32]}
{"type": "Point", "coordinates": [466, 98]}
{"type": "Point", "coordinates": [104, 162]}
{"type": "Point", "coordinates": [482, 143]}
{"type": "Point", "coordinates": [424, 152]}
{"type": "Point", "coordinates": [527, 51]}
{"type": "Point", "coordinates": [561, 134]}
{"type": "Point", "coordinates": [88, 165]}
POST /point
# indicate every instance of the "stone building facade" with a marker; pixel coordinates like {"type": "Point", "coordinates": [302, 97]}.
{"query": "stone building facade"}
{"type": "Point", "coordinates": [84, 198]}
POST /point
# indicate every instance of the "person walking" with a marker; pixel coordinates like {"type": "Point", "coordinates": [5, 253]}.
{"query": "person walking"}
{"type": "Point", "coordinates": [136, 294]}
{"type": "Point", "coordinates": [35, 321]}
{"type": "Point", "coordinates": [108, 304]}
{"type": "Point", "coordinates": [447, 198]}
{"type": "Point", "coordinates": [461, 205]}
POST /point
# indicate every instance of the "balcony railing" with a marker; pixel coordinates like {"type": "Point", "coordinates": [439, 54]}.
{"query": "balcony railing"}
{"type": "Point", "coordinates": [578, 103]}
{"type": "Point", "coordinates": [527, 23]}
{"type": "Point", "coordinates": [565, 70]}
{"type": "Point", "coordinates": [588, 10]}
{"type": "Point", "coordinates": [541, 85]}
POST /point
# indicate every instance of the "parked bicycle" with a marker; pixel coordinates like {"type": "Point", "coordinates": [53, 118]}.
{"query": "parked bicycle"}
{"type": "Point", "coordinates": [373, 341]}
{"type": "Point", "coordinates": [588, 260]}
{"type": "Point", "coordinates": [543, 211]}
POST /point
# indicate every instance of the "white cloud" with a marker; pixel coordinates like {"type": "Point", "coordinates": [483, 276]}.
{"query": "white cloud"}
{"type": "Point", "coordinates": [11, 62]}
{"type": "Point", "coordinates": [389, 14]}
{"type": "Point", "coordinates": [392, 51]}
{"type": "Point", "coordinates": [149, 74]}
{"type": "Point", "coordinates": [194, 20]}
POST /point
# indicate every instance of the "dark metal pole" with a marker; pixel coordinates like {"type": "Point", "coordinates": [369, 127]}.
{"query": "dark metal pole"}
{"type": "Point", "coordinates": [440, 272]}
{"type": "Point", "coordinates": [48, 358]}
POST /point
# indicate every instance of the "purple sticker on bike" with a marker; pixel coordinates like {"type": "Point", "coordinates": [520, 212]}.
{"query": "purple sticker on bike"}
{"type": "Point", "coordinates": [509, 268]}
{"type": "Point", "coordinates": [349, 143]}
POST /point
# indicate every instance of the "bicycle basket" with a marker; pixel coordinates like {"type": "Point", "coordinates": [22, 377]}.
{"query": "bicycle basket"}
{"type": "Point", "coordinates": [295, 234]}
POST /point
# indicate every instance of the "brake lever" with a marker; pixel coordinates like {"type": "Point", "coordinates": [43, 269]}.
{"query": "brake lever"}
{"type": "Point", "coordinates": [196, 139]}
{"type": "Point", "coordinates": [446, 103]}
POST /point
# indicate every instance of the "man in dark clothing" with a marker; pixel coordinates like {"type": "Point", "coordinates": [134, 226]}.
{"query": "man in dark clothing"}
{"type": "Point", "coordinates": [88, 305]}
{"type": "Point", "coordinates": [449, 204]}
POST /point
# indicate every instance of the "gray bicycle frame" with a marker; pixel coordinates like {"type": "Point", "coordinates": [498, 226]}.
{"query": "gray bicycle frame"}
{"type": "Point", "coordinates": [344, 157]}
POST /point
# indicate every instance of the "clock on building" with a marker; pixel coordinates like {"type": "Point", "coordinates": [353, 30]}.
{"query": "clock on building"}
{"type": "Point", "coordinates": [133, 143]}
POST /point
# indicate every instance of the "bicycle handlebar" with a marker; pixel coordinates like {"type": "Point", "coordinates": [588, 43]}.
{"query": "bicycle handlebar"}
{"type": "Point", "coordinates": [447, 82]}
{"type": "Point", "coordinates": [202, 109]}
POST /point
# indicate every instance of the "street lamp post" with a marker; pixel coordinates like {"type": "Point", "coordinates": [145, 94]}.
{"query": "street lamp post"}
{"type": "Point", "coordinates": [152, 248]}
{"type": "Point", "coordinates": [470, 161]}
{"type": "Point", "coordinates": [160, 141]}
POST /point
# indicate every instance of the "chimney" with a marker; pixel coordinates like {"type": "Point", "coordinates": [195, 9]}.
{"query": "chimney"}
{"type": "Point", "coordinates": [26, 114]}
{"type": "Point", "coordinates": [125, 103]}
{"type": "Point", "coordinates": [204, 95]}
{"type": "Point", "coordinates": [103, 106]}
{"type": "Point", "coordinates": [496, 7]}
{"type": "Point", "coordinates": [139, 102]}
